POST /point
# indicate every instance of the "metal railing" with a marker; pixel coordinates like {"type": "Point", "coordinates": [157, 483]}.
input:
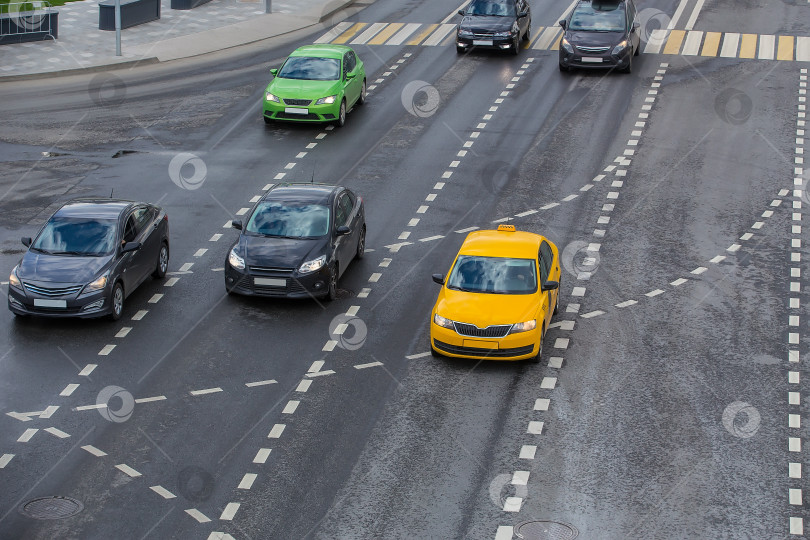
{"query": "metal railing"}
{"type": "Point", "coordinates": [26, 18]}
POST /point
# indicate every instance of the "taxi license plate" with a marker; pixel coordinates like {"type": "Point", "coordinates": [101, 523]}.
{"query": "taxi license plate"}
{"type": "Point", "coordinates": [44, 302]}
{"type": "Point", "coordinates": [295, 110]}
{"type": "Point", "coordinates": [269, 282]}
{"type": "Point", "coordinates": [479, 344]}
{"type": "Point", "coordinates": [592, 59]}
{"type": "Point", "coordinates": [485, 42]}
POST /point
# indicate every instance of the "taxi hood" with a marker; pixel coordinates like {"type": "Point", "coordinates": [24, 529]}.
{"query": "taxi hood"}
{"type": "Point", "coordinates": [486, 309]}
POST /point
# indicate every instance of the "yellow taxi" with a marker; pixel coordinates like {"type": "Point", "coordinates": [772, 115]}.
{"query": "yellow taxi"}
{"type": "Point", "coordinates": [498, 298]}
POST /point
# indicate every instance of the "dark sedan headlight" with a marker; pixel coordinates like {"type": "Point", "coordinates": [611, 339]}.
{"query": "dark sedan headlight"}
{"type": "Point", "coordinates": [235, 260]}
{"type": "Point", "coordinates": [465, 34]}
{"type": "Point", "coordinates": [13, 280]}
{"type": "Point", "coordinates": [566, 46]}
{"type": "Point", "coordinates": [97, 285]}
{"type": "Point", "coordinates": [505, 34]}
{"type": "Point", "coordinates": [444, 323]}
{"type": "Point", "coordinates": [313, 265]}
{"type": "Point", "coordinates": [620, 47]}
{"type": "Point", "coordinates": [271, 97]}
{"type": "Point", "coordinates": [328, 100]}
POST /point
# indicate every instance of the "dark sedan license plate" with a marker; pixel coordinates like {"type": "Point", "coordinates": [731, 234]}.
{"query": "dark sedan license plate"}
{"type": "Point", "coordinates": [269, 282]}
{"type": "Point", "coordinates": [296, 110]}
{"type": "Point", "coordinates": [483, 42]}
{"type": "Point", "coordinates": [592, 59]}
{"type": "Point", "coordinates": [44, 302]}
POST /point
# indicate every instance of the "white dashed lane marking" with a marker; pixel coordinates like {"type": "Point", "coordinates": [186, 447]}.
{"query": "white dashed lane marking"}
{"type": "Point", "coordinates": [205, 391]}
{"type": "Point", "coordinates": [5, 459]}
{"type": "Point", "coordinates": [129, 471]}
{"type": "Point", "coordinates": [163, 492]}
{"type": "Point", "coordinates": [230, 511]}
{"type": "Point", "coordinates": [276, 432]}
{"type": "Point", "coordinates": [247, 481]}
{"type": "Point", "coordinates": [199, 516]}
{"type": "Point", "coordinates": [262, 455]}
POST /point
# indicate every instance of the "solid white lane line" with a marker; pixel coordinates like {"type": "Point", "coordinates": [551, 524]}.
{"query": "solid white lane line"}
{"type": "Point", "coordinates": [276, 432]}
{"type": "Point", "coordinates": [106, 350]}
{"type": "Point", "coordinates": [69, 389]}
{"type": "Point", "coordinates": [150, 399]}
{"type": "Point", "coordinates": [93, 450]}
{"type": "Point", "coordinates": [205, 391]}
{"type": "Point", "coordinates": [695, 12]}
{"type": "Point", "coordinates": [262, 455]}
{"type": "Point", "coordinates": [163, 492]}
{"type": "Point", "coordinates": [290, 407]}
{"type": "Point", "coordinates": [455, 11]}
{"type": "Point", "coordinates": [368, 365]}
{"type": "Point", "coordinates": [129, 471]}
{"type": "Point", "coordinates": [5, 459]}
{"type": "Point", "coordinates": [27, 434]}
{"type": "Point", "coordinates": [196, 514]}
{"type": "Point", "coordinates": [260, 383]}
{"type": "Point", "coordinates": [247, 481]}
{"type": "Point", "coordinates": [57, 432]}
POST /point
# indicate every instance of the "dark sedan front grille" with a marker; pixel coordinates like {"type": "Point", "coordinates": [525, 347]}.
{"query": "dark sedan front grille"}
{"type": "Point", "coordinates": [297, 102]}
{"type": "Point", "coordinates": [592, 49]}
{"type": "Point", "coordinates": [470, 330]}
{"type": "Point", "coordinates": [483, 35]}
{"type": "Point", "coordinates": [52, 291]}
{"type": "Point", "coordinates": [475, 351]}
{"type": "Point", "coordinates": [271, 270]}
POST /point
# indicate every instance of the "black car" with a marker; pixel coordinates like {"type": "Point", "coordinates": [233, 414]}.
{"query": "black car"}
{"type": "Point", "coordinates": [499, 24]}
{"type": "Point", "coordinates": [600, 34]}
{"type": "Point", "coordinates": [88, 257]}
{"type": "Point", "coordinates": [297, 242]}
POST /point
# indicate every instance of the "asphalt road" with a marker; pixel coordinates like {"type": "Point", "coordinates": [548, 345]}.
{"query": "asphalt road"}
{"type": "Point", "coordinates": [669, 403]}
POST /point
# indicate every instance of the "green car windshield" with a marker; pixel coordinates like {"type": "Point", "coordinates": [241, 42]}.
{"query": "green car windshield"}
{"type": "Point", "coordinates": [495, 275]}
{"type": "Point", "coordinates": [310, 69]}
{"type": "Point", "coordinates": [289, 220]}
{"type": "Point", "coordinates": [601, 18]}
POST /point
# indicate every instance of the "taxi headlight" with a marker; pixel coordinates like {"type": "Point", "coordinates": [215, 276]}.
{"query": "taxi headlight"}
{"type": "Point", "coordinates": [523, 327]}
{"type": "Point", "coordinates": [444, 323]}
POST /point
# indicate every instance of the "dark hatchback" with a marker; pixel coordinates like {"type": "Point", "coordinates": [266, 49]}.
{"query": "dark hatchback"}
{"type": "Point", "coordinates": [498, 24]}
{"type": "Point", "coordinates": [296, 242]}
{"type": "Point", "coordinates": [88, 257]}
{"type": "Point", "coordinates": [600, 34]}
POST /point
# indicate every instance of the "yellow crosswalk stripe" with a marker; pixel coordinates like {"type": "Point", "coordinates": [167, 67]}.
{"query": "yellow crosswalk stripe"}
{"type": "Point", "coordinates": [535, 36]}
{"type": "Point", "coordinates": [350, 33]}
{"type": "Point", "coordinates": [674, 42]}
{"type": "Point", "coordinates": [785, 51]}
{"type": "Point", "coordinates": [383, 36]}
{"type": "Point", "coordinates": [748, 46]}
{"type": "Point", "coordinates": [416, 40]}
{"type": "Point", "coordinates": [556, 46]}
{"type": "Point", "coordinates": [711, 44]}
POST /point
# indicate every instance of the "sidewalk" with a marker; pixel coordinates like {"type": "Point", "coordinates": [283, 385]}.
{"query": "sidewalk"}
{"type": "Point", "coordinates": [217, 25]}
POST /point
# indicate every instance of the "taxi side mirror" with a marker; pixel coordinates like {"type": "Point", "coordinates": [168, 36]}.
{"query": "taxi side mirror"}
{"type": "Point", "coordinates": [550, 286]}
{"type": "Point", "coordinates": [438, 278]}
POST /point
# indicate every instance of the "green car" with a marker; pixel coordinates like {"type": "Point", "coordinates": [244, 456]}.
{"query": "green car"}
{"type": "Point", "coordinates": [316, 83]}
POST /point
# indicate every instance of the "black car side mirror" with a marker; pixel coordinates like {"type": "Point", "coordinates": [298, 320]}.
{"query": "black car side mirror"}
{"type": "Point", "coordinates": [636, 26]}
{"type": "Point", "coordinates": [26, 240]}
{"type": "Point", "coordinates": [130, 246]}
{"type": "Point", "coordinates": [564, 24]}
{"type": "Point", "coordinates": [438, 278]}
{"type": "Point", "coordinates": [523, 14]}
{"type": "Point", "coordinates": [549, 286]}
{"type": "Point", "coordinates": [461, 12]}
{"type": "Point", "coordinates": [236, 224]}
{"type": "Point", "coordinates": [342, 230]}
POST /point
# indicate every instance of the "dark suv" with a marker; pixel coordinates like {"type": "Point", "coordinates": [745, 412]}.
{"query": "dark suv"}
{"type": "Point", "coordinates": [600, 34]}
{"type": "Point", "coordinates": [497, 24]}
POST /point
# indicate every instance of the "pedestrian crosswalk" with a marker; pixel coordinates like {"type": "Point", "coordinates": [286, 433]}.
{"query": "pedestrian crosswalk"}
{"type": "Point", "coordinates": [661, 41]}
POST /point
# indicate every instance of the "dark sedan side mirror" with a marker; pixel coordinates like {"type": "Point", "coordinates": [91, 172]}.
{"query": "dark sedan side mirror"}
{"type": "Point", "coordinates": [635, 26]}
{"type": "Point", "coordinates": [564, 24]}
{"type": "Point", "coordinates": [26, 240]}
{"type": "Point", "coordinates": [130, 246]}
{"type": "Point", "coordinates": [342, 230]}
{"type": "Point", "coordinates": [523, 14]}
{"type": "Point", "coordinates": [274, 72]}
{"type": "Point", "coordinates": [236, 224]}
{"type": "Point", "coordinates": [461, 12]}
{"type": "Point", "coordinates": [438, 278]}
{"type": "Point", "coordinates": [549, 286]}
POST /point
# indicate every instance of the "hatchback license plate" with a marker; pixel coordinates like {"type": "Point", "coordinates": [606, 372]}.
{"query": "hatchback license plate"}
{"type": "Point", "coordinates": [269, 282]}
{"type": "Point", "coordinates": [295, 110]}
{"type": "Point", "coordinates": [485, 42]}
{"type": "Point", "coordinates": [44, 302]}
{"type": "Point", "coordinates": [592, 59]}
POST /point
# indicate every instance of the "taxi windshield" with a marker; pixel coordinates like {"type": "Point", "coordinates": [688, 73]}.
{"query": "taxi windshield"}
{"type": "Point", "coordinates": [494, 275]}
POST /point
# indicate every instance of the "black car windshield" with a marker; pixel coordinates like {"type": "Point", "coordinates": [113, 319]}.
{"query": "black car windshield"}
{"type": "Point", "coordinates": [290, 220]}
{"type": "Point", "coordinates": [77, 236]}
{"type": "Point", "coordinates": [493, 8]}
{"type": "Point", "coordinates": [598, 18]}
{"type": "Point", "coordinates": [497, 275]}
{"type": "Point", "coordinates": [310, 69]}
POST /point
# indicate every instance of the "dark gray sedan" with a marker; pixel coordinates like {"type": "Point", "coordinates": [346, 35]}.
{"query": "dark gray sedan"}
{"type": "Point", "coordinates": [88, 257]}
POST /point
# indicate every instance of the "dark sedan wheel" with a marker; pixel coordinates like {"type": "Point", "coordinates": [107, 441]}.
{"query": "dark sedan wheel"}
{"type": "Point", "coordinates": [331, 293]}
{"type": "Point", "coordinates": [638, 50]}
{"type": "Point", "coordinates": [162, 262]}
{"type": "Point", "coordinates": [341, 119]}
{"type": "Point", "coordinates": [516, 45]}
{"type": "Point", "coordinates": [528, 35]}
{"type": "Point", "coordinates": [459, 50]}
{"type": "Point", "coordinates": [563, 68]}
{"type": "Point", "coordinates": [629, 67]}
{"type": "Point", "coordinates": [361, 243]}
{"type": "Point", "coordinates": [117, 300]}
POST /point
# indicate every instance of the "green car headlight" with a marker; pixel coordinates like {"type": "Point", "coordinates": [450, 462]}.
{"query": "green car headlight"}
{"type": "Point", "coordinates": [271, 97]}
{"type": "Point", "coordinates": [328, 100]}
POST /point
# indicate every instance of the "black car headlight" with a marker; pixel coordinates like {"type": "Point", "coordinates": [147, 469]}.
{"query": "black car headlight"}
{"type": "Point", "coordinates": [620, 47]}
{"type": "Point", "coordinates": [235, 260]}
{"type": "Point", "coordinates": [566, 46]}
{"type": "Point", "coordinates": [96, 285]}
{"type": "Point", "coordinates": [14, 281]}
{"type": "Point", "coordinates": [313, 265]}
{"type": "Point", "coordinates": [506, 34]}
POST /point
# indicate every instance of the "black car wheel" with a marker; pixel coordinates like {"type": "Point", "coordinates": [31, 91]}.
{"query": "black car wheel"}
{"type": "Point", "coordinates": [516, 45]}
{"type": "Point", "coordinates": [629, 67]}
{"type": "Point", "coordinates": [117, 300]}
{"type": "Point", "coordinates": [162, 265]}
{"type": "Point", "coordinates": [331, 293]}
{"type": "Point", "coordinates": [361, 243]}
{"type": "Point", "coordinates": [459, 50]}
{"type": "Point", "coordinates": [638, 50]}
{"type": "Point", "coordinates": [563, 68]}
{"type": "Point", "coordinates": [528, 35]}
{"type": "Point", "coordinates": [362, 99]}
{"type": "Point", "coordinates": [341, 119]}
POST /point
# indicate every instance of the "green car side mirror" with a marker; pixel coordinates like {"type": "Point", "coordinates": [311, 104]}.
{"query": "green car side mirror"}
{"type": "Point", "coordinates": [274, 72]}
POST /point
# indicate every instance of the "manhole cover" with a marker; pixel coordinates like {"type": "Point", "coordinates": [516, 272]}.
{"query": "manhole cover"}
{"type": "Point", "coordinates": [51, 507]}
{"type": "Point", "coordinates": [546, 530]}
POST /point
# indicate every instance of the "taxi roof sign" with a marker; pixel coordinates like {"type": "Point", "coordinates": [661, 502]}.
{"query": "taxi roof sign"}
{"type": "Point", "coordinates": [507, 228]}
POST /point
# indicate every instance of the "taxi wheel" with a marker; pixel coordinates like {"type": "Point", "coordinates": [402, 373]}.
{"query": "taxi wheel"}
{"type": "Point", "coordinates": [536, 359]}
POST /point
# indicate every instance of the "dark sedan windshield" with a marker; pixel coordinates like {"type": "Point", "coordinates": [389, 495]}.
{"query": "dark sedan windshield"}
{"type": "Point", "coordinates": [493, 8]}
{"type": "Point", "coordinates": [588, 19]}
{"type": "Point", "coordinates": [291, 220]}
{"type": "Point", "coordinates": [310, 69]}
{"type": "Point", "coordinates": [77, 236]}
{"type": "Point", "coordinates": [497, 275]}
